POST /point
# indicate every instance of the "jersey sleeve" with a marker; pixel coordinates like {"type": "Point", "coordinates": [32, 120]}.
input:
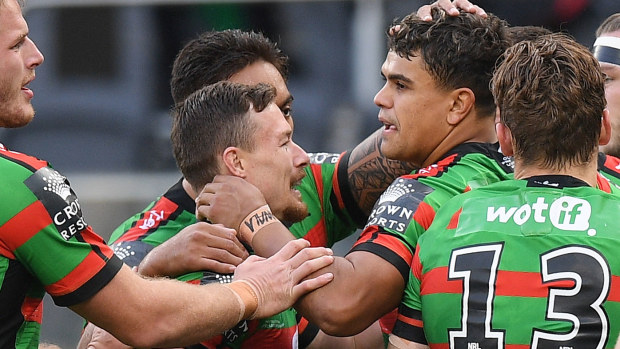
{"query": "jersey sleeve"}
{"type": "Point", "coordinates": [334, 215]}
{"type": "Point", "coordinates": [609, 168]}
{"type": "Point", "coordinates": [162, 219]}
{"type": "Point", "coordinates": [140, 234]}
{"type": "Point", "coordinates": [407, 207]}
{"type": "Point", "coordinates": [399, 217]}
{"type": "Point", "coordinates": [41, 227]}
{"type": "Point", "coordinates": [409, 324]}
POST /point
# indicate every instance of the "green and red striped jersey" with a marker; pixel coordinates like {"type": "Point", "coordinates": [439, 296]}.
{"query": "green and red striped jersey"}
{"type": "Point", "coordinates": [324, 190]}
{"type": "Point", "coordinates": [407, 207]}
{"type": "Point", "coordinates": [609, 168]}
{"type": "Point", "coordinates": [45, 246]}
{"type": "Point", "coordinates": [518, 264]}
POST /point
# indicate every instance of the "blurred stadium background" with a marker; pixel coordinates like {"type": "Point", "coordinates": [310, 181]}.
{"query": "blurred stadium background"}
{"type": "Point", "coordinates": [102, 94]}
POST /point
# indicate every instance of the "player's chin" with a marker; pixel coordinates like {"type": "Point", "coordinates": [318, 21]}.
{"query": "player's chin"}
{"type": "Point", "coordinates": [296, 211]}
{"type": "Point", "coordinates": [19, 117]}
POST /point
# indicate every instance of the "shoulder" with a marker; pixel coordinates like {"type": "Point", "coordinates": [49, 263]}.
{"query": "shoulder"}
{"type": "Point", "coordinates": [471, 160]}
{"type": "Point", "coordinates": [609, 167]}
{"type": "Point", "coordinates": [16, 161]}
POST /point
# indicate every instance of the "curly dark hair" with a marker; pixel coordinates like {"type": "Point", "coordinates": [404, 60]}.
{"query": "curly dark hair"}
{"type": "Point", "coordinates": [458, 51]}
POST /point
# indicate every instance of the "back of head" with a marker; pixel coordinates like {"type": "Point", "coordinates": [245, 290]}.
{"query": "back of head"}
{"type": "Point", "coordinates": [610, 24]}
{"type": "Point", "coordinates": [459, 51]}
{"type": "Point", "coordinates": [551, 95]}
{"type": "Point", "coordinates": [217, 55]}
{"type": "Point", "coordinates": [520, 33]}
{"type": "Point", "coordinates": [210, 120]}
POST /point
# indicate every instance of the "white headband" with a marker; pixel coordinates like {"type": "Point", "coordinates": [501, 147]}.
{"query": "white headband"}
{"type": "Point", "coordinates": [611, 41]}
{"type": "Point", "coordinates": [607, 49]}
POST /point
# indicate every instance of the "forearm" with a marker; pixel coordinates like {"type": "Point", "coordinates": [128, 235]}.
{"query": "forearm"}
{"type": "Point", "coordinates": [162, 313]}
{"type": "Point", "coordinates": [370, 338]}
{"type": "Point", "coordinates": [337, 310]}
{"type": "Point", "coordinates": [270, 239]}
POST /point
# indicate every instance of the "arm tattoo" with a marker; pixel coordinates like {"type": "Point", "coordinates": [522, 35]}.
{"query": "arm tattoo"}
{"type": "Point", "coordinates": [370, 172]}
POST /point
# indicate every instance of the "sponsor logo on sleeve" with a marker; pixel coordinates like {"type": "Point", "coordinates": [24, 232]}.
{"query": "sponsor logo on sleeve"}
{"type": "Point", "coordinates": [322, 158]}
{"type": "Point", "coordinates": [56, 195]}
{"type": "Point", "coordinates": [396, 206]}
{"type": "Point", "coordinates": [132, 252]}
{"type": "Point", "coordinates": [153, 218]}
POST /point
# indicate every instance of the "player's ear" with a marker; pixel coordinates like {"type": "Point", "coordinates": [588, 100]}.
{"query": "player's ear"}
{"type": "Point", "coordinates": [463, 100]}
{"type": "Point", "coordinates": [232, 158]}
{"type": "Point", "coordinates": [605, 135]}
{"type": "Point", "coordinates": [504, 136]}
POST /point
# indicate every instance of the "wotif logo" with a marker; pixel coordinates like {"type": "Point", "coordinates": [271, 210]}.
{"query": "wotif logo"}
{"type": "Point", "coordinates": [565, 213]}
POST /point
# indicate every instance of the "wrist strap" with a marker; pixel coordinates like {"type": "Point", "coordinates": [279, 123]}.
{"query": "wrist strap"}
{"type": "Point", "coordinates": [255, 221]}
{"type": "Point", "coordinates": [246, 296]}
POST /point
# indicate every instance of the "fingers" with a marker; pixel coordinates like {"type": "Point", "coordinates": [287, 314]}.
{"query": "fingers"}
{"type": "Point", "coordinates": [203, 205]}
{"type": "Point", "coordinates": [424, 13]}
{"type": "Point", "coordinates": [87, 335]}
{"type": "Point", "coordinates": [200, 246]}
{"type": "Point", "coordinates": [467, 6]}
{"type": "Point", "coordinates": [102, 339]}
{"type": "Point", "coordinates": [310, 260]}
{"type": "Point", "coordinates": [310, 266]}
{"type": "Point", "coordinates": [218, 267]}
{"type": "Point", "coordinates": [451, 8]}
{"type": "Point", "coordinates": [218, 237]}
{"type": "Point", "coordinates": [290, 249]}
{"type": "Point", "coordinates": [311, 284]}
{"type": "Point", "coordinates": [395, 29]}
{"type": "Point", "coordinates": [216, 247]}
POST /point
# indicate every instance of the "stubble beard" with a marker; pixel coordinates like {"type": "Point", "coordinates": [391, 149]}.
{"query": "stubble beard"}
{"type": "Point", "coordinates": [14, 114]}
{"type": "Point", "coordinates": [295, 213]}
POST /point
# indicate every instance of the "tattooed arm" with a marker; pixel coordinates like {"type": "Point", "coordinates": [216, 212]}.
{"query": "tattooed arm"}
{"type": "Point", "coordinates": [370, 172]}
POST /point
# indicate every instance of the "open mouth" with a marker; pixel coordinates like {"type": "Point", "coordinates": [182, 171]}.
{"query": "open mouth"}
{"type": "Point", "coordinates": [297, 183]}
{"type": "Point", "coordinates": [27, 90]}
{"type": "Point", "coordinates": [387, 126]}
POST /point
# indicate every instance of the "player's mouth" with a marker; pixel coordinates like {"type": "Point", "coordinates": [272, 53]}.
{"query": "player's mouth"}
{"type": "Point", "coordinates": [387, 126]}
{"type": "Point", "coordinates": [29, 93]}
{"type": "Point", "coordinates": [297, 183]}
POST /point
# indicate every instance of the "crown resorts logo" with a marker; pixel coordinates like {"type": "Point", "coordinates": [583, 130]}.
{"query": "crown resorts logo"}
{"type": "Point", "coordinates": [54, 192]}
{"type": "Point", "coordinates": [564, 213]}
{"type": "Point", "coordinates": [395, 191]}
{"type": "Point", "coordinates": [55, 183]}
{"type": "Point", "coordinates": [396, 206]}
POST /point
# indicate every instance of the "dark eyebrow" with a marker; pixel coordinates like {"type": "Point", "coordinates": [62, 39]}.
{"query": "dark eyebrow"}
{"type": "Point", "coordinates": [289, 100]}
{"type": "Point", "coordinates": [21, 38]}
{"type": "Point", "coordinates": [399, 77]}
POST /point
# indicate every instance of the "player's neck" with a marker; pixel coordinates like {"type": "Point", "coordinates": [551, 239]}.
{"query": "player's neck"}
{"type": "Point", "coordinates": [471, 129]}
{"type": "Point", "coordinates": [587, 173]}
{"type": "Point", "coordinates": [188, 189]}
